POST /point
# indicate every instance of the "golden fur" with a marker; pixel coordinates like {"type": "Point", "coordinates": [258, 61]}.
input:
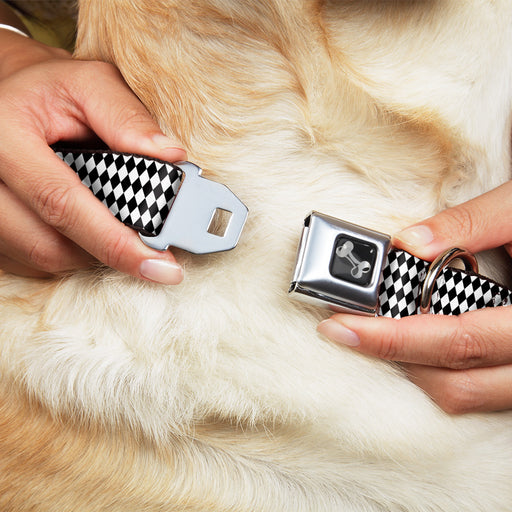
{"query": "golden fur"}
{"type": "Point", "coordinates": [217, 394]}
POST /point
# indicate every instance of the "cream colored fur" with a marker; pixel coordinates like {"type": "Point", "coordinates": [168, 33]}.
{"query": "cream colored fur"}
{"type": "Point", "coordinates": [218, 394]}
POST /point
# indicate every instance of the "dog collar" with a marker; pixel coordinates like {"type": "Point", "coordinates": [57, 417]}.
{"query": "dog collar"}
{"type": "Point", "coordinates": [169, 204]}
{"type": "Point", "coordinates": [351, 269]}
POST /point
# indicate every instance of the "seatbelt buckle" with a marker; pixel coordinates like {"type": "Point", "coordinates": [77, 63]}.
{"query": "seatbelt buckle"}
{"type": "Point", "coordinates": [339, 265]}
{"type": "Point", "coordinates": [193, 211]}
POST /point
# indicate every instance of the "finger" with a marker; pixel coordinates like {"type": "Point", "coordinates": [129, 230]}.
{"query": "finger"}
{"type": "Point", "coordinates": [54, 192]}
{"type": "Point", "coordinates": [479, 224]}
{"type": "Point", "coordinates": [14, 267]}
{"type": "Point", "coordinates": [474, 339]}
{"type": "Point", "coordinates": [31, 243]}
{"type": "Point", "coordinates": [119, 118]}
{"type": "Point", "coordinates": [463, 391]}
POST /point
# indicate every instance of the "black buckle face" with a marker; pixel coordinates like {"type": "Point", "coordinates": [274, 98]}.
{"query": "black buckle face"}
{"type": "Point", "coordinates": [353, 260]}
{"type": "Point", "coordinates": [339, 265]}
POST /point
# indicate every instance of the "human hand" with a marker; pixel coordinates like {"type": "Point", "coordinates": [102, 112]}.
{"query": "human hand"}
{"type": "Point", "coordinates": [463, 362]}
{"type": "Point", "coordinates": [50, 222]}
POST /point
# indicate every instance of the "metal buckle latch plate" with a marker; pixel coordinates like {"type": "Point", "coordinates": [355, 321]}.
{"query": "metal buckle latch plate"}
{"type": "Point", "coordinates": [189, 219]}
{"type": "Point", "coordinates": [339, 265]}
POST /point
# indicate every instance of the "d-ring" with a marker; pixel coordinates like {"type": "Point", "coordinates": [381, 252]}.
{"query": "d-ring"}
{"type": "Point", "coordinates": [436, 268]}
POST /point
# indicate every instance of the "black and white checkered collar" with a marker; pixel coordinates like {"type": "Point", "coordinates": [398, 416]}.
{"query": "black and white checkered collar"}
{"type": "Point", "coordinates": [341, 265]}
{"type": "Point", "coordinates": [455, 291]}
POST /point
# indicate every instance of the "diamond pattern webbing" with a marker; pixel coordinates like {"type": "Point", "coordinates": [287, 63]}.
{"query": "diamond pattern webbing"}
{"type": "Point", "coordinates": [455, 291]}
{"type": "Point", "coordinates": [138, 190]}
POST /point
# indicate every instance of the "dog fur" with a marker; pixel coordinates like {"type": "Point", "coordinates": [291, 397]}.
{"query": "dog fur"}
{"type": "Point", "coordinates": [217, 394]}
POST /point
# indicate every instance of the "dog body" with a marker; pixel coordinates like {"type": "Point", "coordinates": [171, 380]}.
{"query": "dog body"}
{"type": "Point", "coordinates": [218, 394]}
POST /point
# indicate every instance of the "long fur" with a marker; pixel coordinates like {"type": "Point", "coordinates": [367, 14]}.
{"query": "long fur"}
{"type": "Point", "coordinates": [218, 394]}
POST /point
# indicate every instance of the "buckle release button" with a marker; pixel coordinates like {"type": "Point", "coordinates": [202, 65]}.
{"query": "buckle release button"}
{"type": "Point", "coordinates": [353, 260]}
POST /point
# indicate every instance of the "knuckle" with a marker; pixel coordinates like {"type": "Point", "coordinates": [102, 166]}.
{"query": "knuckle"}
{"type": "Point", "coordinates": [60, 53]}
{"type": "Point", "coordinates": [134, 116]}
{"type": "Point", "coordinates": [42, 257]}
{"type": "Point", "coordinates": [98, 69]}
{"type": "Point", "coordinates": [53, 203]}
{"type": "Point", "coordinates": [465, 348]}
{"type": "Point", "coordinates": [115, 250]}
{"type": "Point", "coordinates": [460, 394]}
{"type": "Point", "coordinates": [460, 220]}
{"type": "Point", "coordinates": [389, 346]}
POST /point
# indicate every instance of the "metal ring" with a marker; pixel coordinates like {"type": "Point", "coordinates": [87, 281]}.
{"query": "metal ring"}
{"type": "Point", "coordinates": [436, 268]}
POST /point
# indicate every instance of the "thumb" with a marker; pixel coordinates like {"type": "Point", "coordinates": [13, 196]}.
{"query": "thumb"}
{"type": "Point", "coordinates": [476, 225]}
{"type": "Point", "coordinates": [119, 118]}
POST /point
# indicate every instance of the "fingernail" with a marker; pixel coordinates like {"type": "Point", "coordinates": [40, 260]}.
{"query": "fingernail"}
{"type": "Point", "coordinates": [161, 271]}
{"type": "Point", "coordinates": [338, 333]}
{"type": "Point", "coordinates": [416, 236]}
{"type": "Point", "coordinates": [166, 144]}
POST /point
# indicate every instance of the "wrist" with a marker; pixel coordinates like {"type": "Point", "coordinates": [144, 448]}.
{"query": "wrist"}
{"type": "Point", "coordinates": [12, 48]}
{"type": "Point", "coordinates": [18, 52]}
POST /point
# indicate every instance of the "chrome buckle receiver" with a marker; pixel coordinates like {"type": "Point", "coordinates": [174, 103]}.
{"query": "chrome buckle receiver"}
{"type": "Point", "coordinates": [191, 214]}
{"type": "Point", "coordinates": [339, 265]}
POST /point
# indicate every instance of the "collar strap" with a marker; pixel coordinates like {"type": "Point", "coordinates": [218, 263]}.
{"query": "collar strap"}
{"type": "Point", "coordinates": [352, 269]}
{"type": "Point", "coordinates": [169, 204]}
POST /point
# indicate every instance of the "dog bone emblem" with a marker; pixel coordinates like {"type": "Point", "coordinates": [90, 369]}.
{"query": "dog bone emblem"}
{"type": "Point", "coordinates": [358, 267]}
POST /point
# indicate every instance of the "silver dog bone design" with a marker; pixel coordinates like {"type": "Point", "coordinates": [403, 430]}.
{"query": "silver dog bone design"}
{"type": "Point", "coordinates": [358, 267]}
